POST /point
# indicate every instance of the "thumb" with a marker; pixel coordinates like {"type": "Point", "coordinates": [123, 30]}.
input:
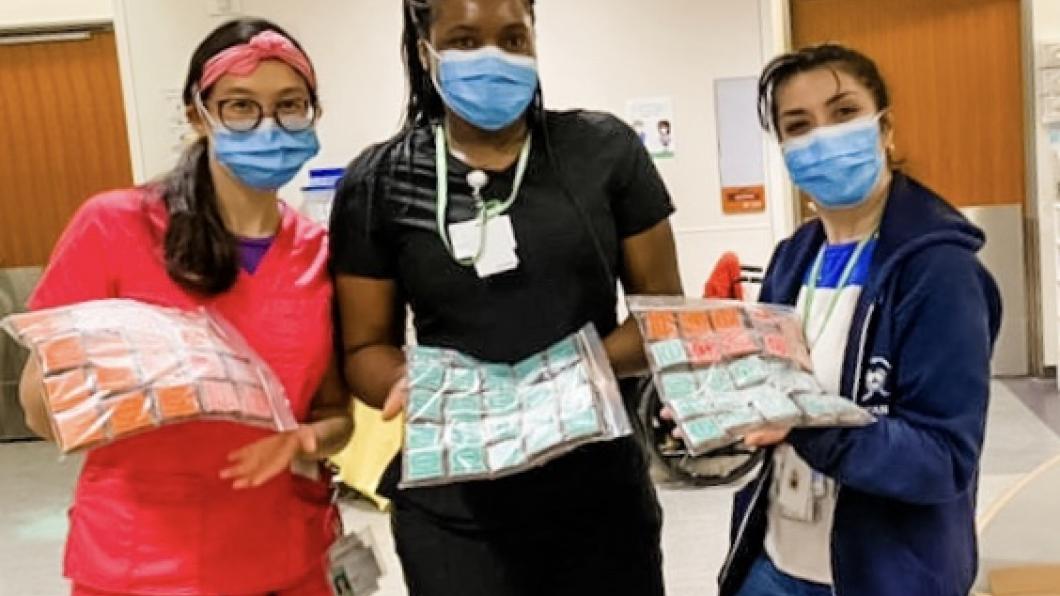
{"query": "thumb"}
{"type": "Point", "coordinates": [393, 406]}
{"type": "Point", "coordinates": [307, 439]}
{"type": "Point", "coordinates": [395, 401]}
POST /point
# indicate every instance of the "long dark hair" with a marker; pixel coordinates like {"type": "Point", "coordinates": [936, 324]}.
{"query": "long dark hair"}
{"type": "Point", "coordinates": [201, 254]}
{"type": "Point", "coordinates": [828, 55]}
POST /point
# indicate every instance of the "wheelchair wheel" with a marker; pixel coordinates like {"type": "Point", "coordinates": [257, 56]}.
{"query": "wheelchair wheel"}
{"type": "Point", "coordinates": [720, 467]}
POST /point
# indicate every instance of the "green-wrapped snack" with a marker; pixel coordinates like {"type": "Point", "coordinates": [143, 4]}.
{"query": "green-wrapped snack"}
{"type": "Point", "coordinates": [424, 374]}
{"type": "Point", "coordinates": [501, 402]}
{"type": "Point", "coordinates": [424, 404]}
{"type": "Point", "coordinates": [669, 353]}
{"type": "Point", "coordinates": [581, 424]}
{"type": "Point", "coordinates": [678, 385]}
{"type": "Point", "coordinates": [775, 406]}
{"type": "Point", "coordinates": [792, 381]}
{"type": "Point", "coordinates": [538, 395]}
{"type": "Point", "coordinates": [577, 399]}
{"type": "Point", "coordinates": [425, 464]}
{"type": "Point", "coordinates": [531, 370]}
{"type": "Point", "coordinates": [498, 377]}
{"type": "Point", "coordinates": [423, 436]}
{"type": "Point", "coordinates": [726, 402]}
{"type": "Point", "coordinates": [704, 434]}
{"type": "Point", "coordinates": [818, 410]}
{"type": "Point", "coordinates": [736, 422]}
{"type": "Point", "coordinates": [465, 461]}
{"type": "Point", "coordinates": [506, 455]}
{"type": "Point", "coordinates": [571, 378]}
{"type": "Point", "coordinates": [749, 371]}
{"type": "Point", "coordinates": [503, 428]}
{"type": "Point", "coordinates": [470, 405]}
{"type": "Point", "coordinates": [563, 355]}
{"type": "Point", "coordinates": [463, 380]}
{"type": "Point", "coordinates": [466, 433]}
{"type": "Point", "coordinates": [688, 407]}
{"type": "Point", "coordinates": [715, 379]}
{"type": "Point", "coordinates": [831, 410]}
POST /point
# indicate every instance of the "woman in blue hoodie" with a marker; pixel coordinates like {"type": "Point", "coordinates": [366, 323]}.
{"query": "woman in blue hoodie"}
{"type": "Point", "coordinates": [901, 318]}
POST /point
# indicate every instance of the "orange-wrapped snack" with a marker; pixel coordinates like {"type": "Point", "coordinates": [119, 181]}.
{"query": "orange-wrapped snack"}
{"type": "Point", "coordinates": [115, 368]}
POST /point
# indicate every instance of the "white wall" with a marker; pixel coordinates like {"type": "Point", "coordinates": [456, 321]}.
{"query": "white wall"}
{"type": "Point", "coordinates": [621, 50]}
{"type": "Point", "coordinates": [1045, 26]}
{"type": "Point", "coordinates": [617, 51]}
{"type": "Point", "coordinates": [43, 13]}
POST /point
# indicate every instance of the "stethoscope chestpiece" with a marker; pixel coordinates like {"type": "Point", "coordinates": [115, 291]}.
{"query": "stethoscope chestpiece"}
{"type": "Point", "coordinates": [477, 180]}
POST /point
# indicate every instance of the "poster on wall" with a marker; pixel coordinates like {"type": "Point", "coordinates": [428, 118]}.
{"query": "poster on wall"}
{"type": "Point", "coordinates": [653, 120]}
{"type": "Point", "coordinates": [740, 150]}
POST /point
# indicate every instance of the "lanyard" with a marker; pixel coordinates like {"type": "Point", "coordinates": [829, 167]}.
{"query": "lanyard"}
{"type": "Point", "coordinates": [844, 280]}
{"type": "Point", "coordinates": [487, 208]}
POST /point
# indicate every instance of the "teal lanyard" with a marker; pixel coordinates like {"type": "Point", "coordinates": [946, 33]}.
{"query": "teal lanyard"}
{"type": "Point", "coordinates": [811, 288]}
{"type": "Point", "coordinates": [487, 208]}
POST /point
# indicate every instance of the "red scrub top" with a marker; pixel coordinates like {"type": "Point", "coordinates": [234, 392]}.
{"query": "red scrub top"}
{"type": "Point", "coordinates": [150, 515]}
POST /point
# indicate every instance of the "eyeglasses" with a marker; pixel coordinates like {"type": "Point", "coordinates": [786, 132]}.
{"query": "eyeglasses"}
{"type": "Point", "coordinates": [245, 115]}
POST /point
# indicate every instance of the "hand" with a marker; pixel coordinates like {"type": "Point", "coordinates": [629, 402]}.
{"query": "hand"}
{"type": "Point", "coordinates": [766, 437]}
{"type": "Point", "coordinates": [261, 461]}
{"type": "Point", "coordinates": [396, 399]}
{"type": "Point", "coordinates": [667, 414]}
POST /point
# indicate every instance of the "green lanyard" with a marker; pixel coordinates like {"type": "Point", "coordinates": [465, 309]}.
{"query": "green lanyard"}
{"type": "Point", "coordinates": [811, 288]}
{"type": "Point", "coordinates": [487, 208]}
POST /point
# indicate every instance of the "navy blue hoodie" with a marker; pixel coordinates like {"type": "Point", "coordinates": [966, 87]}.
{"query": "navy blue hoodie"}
{"type": "Point", "coordinates": [918, 356]}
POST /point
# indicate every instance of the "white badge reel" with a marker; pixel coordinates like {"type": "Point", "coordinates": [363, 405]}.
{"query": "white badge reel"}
{"type": "Point", "coordinates": [355, 565]}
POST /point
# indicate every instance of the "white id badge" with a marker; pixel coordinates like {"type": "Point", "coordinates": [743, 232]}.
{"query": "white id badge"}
{"type": "Point", "coordinates": [497, 245]}
{"type": "Point", "coordinates": [354, 565]}
{"type": "Point", "coordinates": [467, 238]}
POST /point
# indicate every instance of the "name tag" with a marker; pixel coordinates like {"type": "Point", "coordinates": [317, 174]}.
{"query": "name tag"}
{"type": "Point", "coordinates": [494, 247]}
{"type": "Point", "coordinates": [354, 566]}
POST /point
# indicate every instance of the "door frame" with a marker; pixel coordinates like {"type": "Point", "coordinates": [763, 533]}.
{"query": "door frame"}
{"type": "Point", "coordinates": [777, 35]}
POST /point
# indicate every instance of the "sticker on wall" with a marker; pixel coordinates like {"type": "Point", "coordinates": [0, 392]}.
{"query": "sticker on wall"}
{"type": "Point", "coordinates": [740, 150]}
{"type": "Point", "coordinates": [653, 120]}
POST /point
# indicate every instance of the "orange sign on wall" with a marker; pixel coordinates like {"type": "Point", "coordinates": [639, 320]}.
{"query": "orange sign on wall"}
{"type": "Point", "coordinates": [736, 200]}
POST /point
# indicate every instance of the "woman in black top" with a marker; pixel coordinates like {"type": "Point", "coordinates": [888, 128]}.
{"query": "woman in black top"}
{"type": "Point", "coordinates": [587, 208]}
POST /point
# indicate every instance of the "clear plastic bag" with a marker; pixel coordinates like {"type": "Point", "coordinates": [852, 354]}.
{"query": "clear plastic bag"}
{"type": "Point", "coordinates": [116, 368]}
{"type": "Point", "coordinates": [725, 368]}
{"type": "Point", "coordinates": [470, 420]}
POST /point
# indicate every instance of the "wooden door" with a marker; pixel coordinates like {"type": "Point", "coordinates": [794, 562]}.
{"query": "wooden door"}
{"type": "Point", "coordinates": [62, 136]}
{"type": "Point", "coordinates": [955, 73]}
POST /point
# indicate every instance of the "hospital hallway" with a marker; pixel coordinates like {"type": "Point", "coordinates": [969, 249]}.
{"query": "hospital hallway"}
{"type": "Point", "coordinates": [1023, 437]}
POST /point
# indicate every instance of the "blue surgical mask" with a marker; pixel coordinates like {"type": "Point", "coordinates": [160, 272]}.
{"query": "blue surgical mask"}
{"type": "Point", "coordinates": [487, 87]}
{"type": "Point", "coordinates": [839, 165]}
{"type": "Point", "coordinates": [267, 157]}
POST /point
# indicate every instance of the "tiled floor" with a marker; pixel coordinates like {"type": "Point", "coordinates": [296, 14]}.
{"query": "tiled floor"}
{"type": "Point", "coordinates": [35, 490]}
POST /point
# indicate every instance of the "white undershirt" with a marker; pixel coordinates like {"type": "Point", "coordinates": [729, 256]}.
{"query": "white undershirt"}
{"type": "Point", "coordinates": [801, 548]}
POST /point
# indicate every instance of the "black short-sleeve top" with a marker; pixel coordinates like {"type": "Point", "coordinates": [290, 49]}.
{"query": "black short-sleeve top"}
{"type": "Point", "coordinates": [384, 226]}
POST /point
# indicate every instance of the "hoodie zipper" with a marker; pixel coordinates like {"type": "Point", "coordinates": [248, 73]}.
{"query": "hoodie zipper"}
{"type": "Point", "coordinates": [743, 523]}
{"type": "Point", "coordinates": [861, 352]}
{"type": "Point", "coordinates": [863, 342]}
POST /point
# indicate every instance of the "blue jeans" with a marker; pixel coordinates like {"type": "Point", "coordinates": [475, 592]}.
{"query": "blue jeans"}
{"type": "Point", "coordinates": [766, 580]}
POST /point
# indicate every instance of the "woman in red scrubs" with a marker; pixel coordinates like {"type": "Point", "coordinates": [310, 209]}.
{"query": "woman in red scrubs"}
{"type": "Point", "coordinates": [214, 507]}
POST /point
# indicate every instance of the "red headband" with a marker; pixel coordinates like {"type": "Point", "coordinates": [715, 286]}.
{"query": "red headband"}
{"type": "Point", "coordinates": [244, 59]}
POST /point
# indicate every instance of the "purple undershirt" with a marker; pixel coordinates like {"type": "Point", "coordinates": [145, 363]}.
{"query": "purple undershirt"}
{"type": "Point", "coordinates": [252, 251]}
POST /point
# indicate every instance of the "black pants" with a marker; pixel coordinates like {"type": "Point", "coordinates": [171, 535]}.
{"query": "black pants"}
{"type": "Point", "coordinates": [612, 551]}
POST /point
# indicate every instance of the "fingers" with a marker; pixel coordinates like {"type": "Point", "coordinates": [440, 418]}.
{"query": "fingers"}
{"type": "Point", "coordinates": [259, 462]}
{"type": "Point", "coordinates": [766, 437]}
{"type": "Point", "coordinates": [307, 438]}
